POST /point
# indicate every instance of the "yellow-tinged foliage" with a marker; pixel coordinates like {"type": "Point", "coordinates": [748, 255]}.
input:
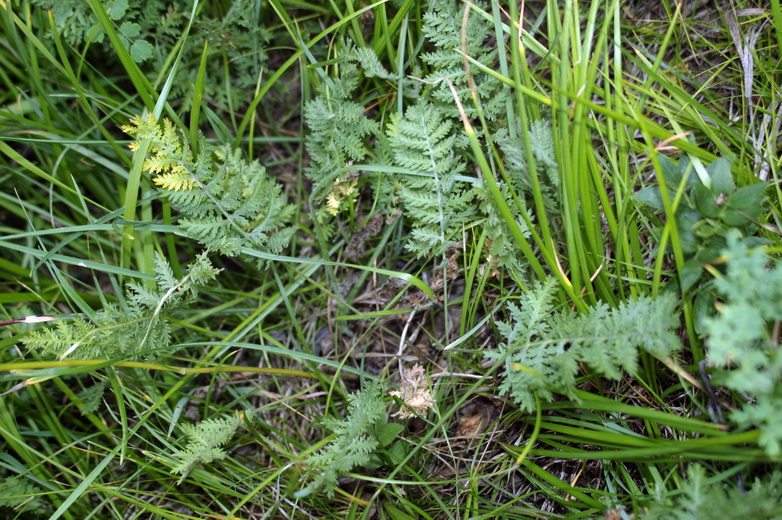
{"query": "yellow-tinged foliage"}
{"type": "Point", "coordinates": [340, 192]}
{"type": "Point", "coordinates": [170, 156]}
{"type": "Point", "coordinates": [225, 202]}
{"type": "Point", "coordinates": [175, 180]}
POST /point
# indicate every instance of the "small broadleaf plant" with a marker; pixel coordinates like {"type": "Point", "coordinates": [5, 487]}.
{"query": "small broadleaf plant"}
{"type": "Point", "coordinates": [712, 205]}
{"type": "Point", "coordinates": [227, 202]}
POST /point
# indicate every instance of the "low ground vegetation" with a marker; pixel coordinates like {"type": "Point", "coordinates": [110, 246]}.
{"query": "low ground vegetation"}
{"type": "Point", "coordinates": [390, 260]}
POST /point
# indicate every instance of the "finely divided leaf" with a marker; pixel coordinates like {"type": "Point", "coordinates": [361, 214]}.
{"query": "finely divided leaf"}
{"type": "Point", "coordinates": [355, 438]}
{"type": "Point", "coordinates": [543, 348]}
{"type": "Point", "coordinates": [204, 443]}
{"type": "Point", "coordinates": [227, 202]}
{"type": "Point", "coordinates": [438, 206]}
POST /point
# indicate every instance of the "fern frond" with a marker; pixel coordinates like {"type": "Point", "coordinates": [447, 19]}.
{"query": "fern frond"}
{"type": "Point", "coordinates": [518, 188]}
{"type": "Point", "coordinates": [366, 58]}
{"type": "Point", "coordinates": [543, 349]}
{"type": "Point", "coordinates": [204, 443]}
{"type": "Point", "coordinates": [697, 500]}
{"type": "Point", "coordinates": [164, 275]}
{"type": "Point", "coordinates": [120, 332]}
{"type": "Point", "coordinates": [443, 28]}
{"type": "Point", "coordinates": [339, 131]}
{"type": "Point", "coordinates": [75, 20]}
{"type": "Point", "coordinates": [426, 143]}
{"type": "Point", "coordinates": [23, 497]}
{"type": "Point", "coordinates": [503, 250]}
{"type": "Point", "coordinates": [152, 30]}
{"type": "Point", "coordinates": [739, 339]}
{"type": "Point", "coordinates": [542, 143]}
{"type": "Point", "coordinates": [91, 397]}
{"type": "Point", "coordinates": [175, 180]}
{"type": "Point", "coordinates": [355, 439]}
{"type": "Point", "coordinates": [227, 202]}
{"type": "Point", "coordinates": [68, 336]}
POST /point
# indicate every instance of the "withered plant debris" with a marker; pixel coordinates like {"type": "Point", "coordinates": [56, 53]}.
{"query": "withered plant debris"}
{"type": "Point", "coordinates": [357, 247]}
{"type": "Point", "coordinates": [415, 394]}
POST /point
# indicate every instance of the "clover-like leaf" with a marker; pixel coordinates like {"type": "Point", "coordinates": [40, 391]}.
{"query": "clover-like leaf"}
{"type": "Point", "coordinates": [140, 51]}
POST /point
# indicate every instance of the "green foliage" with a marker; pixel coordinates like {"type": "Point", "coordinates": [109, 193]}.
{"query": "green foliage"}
{"type": "Point", "coordinates": [125, 331]}
{"type": "Point", "coordinates": [697, 500]}
{"type": "Point", "coordinates": [739, 338]}
{"type": "Point", "coordinates": [542, 144]}
{"type": "Point", "coordinates": [339, 131]}
{"type": "Point", "coordinates": [227, 202]}
{"type": "Point", "coordinates": [153, 29]}
{"type": "Point", "coordinates": [236, 40]}
{"type": "Point", "coordinates": [204, 443]}
{"type": "Point", "coordinates": [19, 494]}
{"type": "Point", "coordinates": [75, 21]}
{"type": "Point", "coordinates": [502, 247]}
{"type": "Point", "coordinates": [543, 348]}
{"type": "Point", "coordinates": [92, 396]}
{"type": "Point", "coordinates": [388, 149]}
{"type": "Point", "coordinates": [365, 58]}
{"type": "Point", "coordinates": [503, 250]}
{"type": "Point", "coordinates": [424, 142]}
{"type": "Point", "coordinates": [425, 139]}
{"type": "Point", "coordinates": [356, 439]}
{"type": "Point", "coordinates": [710, 208]}
{"type": "Point", "coordinates": [443, 29]}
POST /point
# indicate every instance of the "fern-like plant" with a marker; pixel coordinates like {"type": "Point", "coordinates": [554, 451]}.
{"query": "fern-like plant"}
{"type": "Point", "coordinates": [425, 143]}
{"type": "Point", "coordinates": [227, 202]}
{"type": "Point", "coordinates": [425, 140]}
{"type": "Point", "coordinates": [542, 348]}
{"type": "Point", "coordinates": [91, 397]}
{"type": "Point", "coordinates": [502, 246]}
{"type": "Point", "coordinates": [76, 23]}
{"type": "Point", "coordinates": [542, 145]}
{"type": "Point", "coordinates": [140, 325]}
{"type": "Point", "coordinates": [739, 338]}
{"type": "Point", "coordinates": [150, 31]}
{"type": "Point", "coordinates": [443, 30]}
{"type": "Point", "coordinates": [19, 495]}
{"type": "Point", "coordinates": [365, 58]}
{"type": "Point", "coordinates": [356, 439]}
{"type": "Point", "coordinates": [204, 443]}
{"type": "Point", "coordinates": [697, 500]}
{"type": "Point", "coordinates": [339, 131]}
